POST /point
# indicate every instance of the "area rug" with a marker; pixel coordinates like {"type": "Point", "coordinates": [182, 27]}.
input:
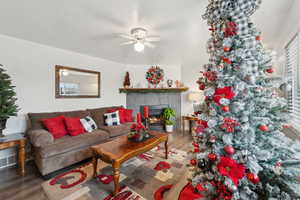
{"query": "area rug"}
{"type": "Point", "coordinates": [141, 177]}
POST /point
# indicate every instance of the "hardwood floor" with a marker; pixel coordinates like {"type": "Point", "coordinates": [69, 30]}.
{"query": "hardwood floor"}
{"type": "Point", "coordinates": [28, 187]}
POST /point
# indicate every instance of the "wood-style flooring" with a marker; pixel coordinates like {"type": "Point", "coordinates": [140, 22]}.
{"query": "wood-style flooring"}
{"type": "Point", "coordinates": [28, 187]}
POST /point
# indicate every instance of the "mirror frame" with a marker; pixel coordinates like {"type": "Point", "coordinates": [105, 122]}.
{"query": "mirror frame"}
{"type": "Point", "coordinates": [57, 81]}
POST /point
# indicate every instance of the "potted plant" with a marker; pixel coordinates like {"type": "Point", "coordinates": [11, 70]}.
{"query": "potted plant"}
{"type": "Point", "coordinates": [169, 115]}
{"type": "Point", "coordinates": [8, 99]}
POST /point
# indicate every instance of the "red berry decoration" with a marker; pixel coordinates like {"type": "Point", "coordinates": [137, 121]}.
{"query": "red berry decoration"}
{"type": "Point", "coordinates": [270, 70]}
{"type": "Point", "coordinates": [229, 150]}
{"type": "Point", "coordinates": [193, 162]}
{"type": "Point", "coordinates": [253, 178]}
{"type": "Point", "coordinates": [226, 49]}
{"type": "Point", "coordinates": [225, 108]}
{"type": "Point", "coordinates": [258, 38]}
{"type": "Point", "coordinates": [202, 86]}
{"type": "Point", "coordinates": [212, 156]}
{"type": "Point", "coordinates": [263, 128]}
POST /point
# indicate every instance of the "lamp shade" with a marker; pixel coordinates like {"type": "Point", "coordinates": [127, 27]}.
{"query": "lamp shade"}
{"type": "Point", "coordinates": [195, 96]}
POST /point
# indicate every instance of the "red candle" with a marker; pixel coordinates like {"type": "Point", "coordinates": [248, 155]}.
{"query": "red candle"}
{"type": "Point", "coordinates": [138, 118]}
{"type": "Point", "coordinates": [146, 112]}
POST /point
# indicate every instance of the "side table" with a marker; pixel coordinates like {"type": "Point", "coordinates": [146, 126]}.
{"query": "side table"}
{"type": "Point", "coordinates": [190, 119]}
{"type": "Point", "coordinates": [18, 140]}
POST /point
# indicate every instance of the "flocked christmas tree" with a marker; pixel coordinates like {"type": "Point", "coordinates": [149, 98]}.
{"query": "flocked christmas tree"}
{"type": "Point", "coordinates": [241, 152]}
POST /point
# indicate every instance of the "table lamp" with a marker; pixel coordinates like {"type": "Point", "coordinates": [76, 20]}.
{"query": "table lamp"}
{"type": "Point", "coordinates": [196, 98]}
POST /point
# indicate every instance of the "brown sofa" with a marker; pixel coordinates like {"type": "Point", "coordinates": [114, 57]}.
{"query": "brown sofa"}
{"type": "Point", "coordinates": [52, 154]}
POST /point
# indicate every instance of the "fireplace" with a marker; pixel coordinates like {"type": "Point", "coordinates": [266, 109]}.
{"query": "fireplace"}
{"type": "Point", "coordinates": [155, 121]}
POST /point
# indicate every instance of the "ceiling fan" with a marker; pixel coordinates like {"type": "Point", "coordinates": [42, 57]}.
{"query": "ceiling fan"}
{"type": "Point", "coordinates": [139, 38]}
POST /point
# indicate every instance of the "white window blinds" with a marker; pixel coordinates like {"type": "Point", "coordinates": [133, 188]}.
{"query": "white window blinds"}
{"type": "Point", "coordinates": [292, 73]}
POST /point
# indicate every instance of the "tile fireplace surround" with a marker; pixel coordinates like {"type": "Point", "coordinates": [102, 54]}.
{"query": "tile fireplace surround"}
{"type": "Point", "coordinates": [172, 99]}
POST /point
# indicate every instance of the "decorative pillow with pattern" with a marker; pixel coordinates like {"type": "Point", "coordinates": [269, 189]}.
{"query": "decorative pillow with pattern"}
{"type": "Point", "coordinates": [88, 123]}
{"type": "Point", "coordinates": [112, 119]}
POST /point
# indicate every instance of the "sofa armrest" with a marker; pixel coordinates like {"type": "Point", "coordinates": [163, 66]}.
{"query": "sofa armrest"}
{"type": "Point", "coordinates": [40, 137]}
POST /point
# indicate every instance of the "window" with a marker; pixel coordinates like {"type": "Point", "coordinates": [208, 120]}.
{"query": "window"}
{"type": "Point", "coordinates": [292, 73]}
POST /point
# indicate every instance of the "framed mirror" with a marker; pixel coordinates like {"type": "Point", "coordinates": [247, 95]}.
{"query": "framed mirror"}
{"type": "Point", "coordinates": [76, 83]}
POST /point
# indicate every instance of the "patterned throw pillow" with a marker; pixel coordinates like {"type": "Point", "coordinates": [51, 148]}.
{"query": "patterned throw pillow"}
{"type": "Point", "coordinates": [88, 123]}
{"type": "Point", "coordinates": [112, 119]}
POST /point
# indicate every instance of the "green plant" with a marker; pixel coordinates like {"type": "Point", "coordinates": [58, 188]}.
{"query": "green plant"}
{"type": "Point", "coordinates": [167, 115]}
{"type": "Point", "coordinates": [169, 122]}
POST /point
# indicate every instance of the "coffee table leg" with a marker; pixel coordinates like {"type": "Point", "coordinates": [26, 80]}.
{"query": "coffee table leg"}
{"type": "Point", "coordinates": [166, 148]}
{"type": "Point", "coordinates": [116, 170]}
{"type": "Point", "coordinates": [95, 164]}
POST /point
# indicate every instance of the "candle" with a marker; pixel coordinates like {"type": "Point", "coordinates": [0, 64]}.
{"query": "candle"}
{"type": "Point", "coordinates": [146, 112]}
{"type": "Point", "coordinates": [138, 118]}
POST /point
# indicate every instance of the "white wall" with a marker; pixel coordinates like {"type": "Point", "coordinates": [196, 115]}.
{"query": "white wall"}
{"type": "Point", "coordinates": [31, 67]}
{"type": "Point", "coordinates": [137, 73]}
{"type": "Point", "coordinates": [32, 70]}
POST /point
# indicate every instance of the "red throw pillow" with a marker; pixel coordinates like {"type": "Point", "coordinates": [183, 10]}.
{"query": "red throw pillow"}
{"type": "Point", "coordinates": [128, 115]}
{"type": "Point", "coordinates": [56, 126]}
{"type": "Point", "coordinates": [121, 113]}
{"type": "Point", "coordinates": [74, 126]}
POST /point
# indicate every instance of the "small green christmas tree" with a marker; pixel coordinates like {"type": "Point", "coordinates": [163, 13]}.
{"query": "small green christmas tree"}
{"type": "Point", "coordinates": [8, 99]}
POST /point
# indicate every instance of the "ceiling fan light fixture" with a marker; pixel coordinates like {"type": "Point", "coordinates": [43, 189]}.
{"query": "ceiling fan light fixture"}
{"type": "Point", "coordinates": [139, 47]}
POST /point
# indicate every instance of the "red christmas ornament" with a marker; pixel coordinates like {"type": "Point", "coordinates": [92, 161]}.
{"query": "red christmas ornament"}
{"type": "Point", "coordinates": [263, 128]}
{"type": "Point", "coordinates": [258, 38]}
{"type": "Point", "coordinates": [212, 156]}
{"type": "Point", "coordinates": [193, 162]}
{"type": "Point", "coordinates": [226, 49]}
{"type": "Point", "coordinates": [225, 108]}
{"type": "Point", "coordinates": [270, 70]}
{"type": "Point", "coordinates": [220, 93]}
{"type": "Point", "coordinates": [286, 126]}
{"type": "Point", "coordinates": [226, 60]}
{"type": "Point", "coordinates": [201, 86]}
{"type": "Point", "coordinates": [253, 178]}
{"type": "Point", "coordinates": [229, 150]}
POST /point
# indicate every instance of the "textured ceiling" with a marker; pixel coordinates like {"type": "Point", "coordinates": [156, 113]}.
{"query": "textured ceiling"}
{"type": "Point", "coordinates": [91, 27]}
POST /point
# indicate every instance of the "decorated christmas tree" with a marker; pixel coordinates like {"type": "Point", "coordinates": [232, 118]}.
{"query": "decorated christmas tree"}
{"type": "Point", "coordinates": [240, 151]}
{"type": "Point", "coordinates": [8, 99]}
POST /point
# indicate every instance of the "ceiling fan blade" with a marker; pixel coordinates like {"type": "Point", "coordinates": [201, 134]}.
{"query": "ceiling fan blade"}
{"type": "Point", "coordinates": [148, 44]}
{"type": "Point", "coordinates": [127, 43]}
{"type": "Point", "coordinates": [126, 36]}
{"type": "Point", "coordinates": [153, 39]}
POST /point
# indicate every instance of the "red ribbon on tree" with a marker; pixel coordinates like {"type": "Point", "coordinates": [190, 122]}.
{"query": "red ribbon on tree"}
{"type": "Point", "coordinates": [220, 93]}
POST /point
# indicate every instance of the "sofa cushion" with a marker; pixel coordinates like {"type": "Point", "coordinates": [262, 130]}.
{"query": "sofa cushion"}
{"type": "Point", "coordinates": [98, 114]}
{"type": "Point", "coordinates": [74, 126]}
{"type": "Point", "coordinates": [73, 143]}
{"type": "Point", "coordinates": [40, 137]}
{"type": "Point", "coordinates": [56, 126]}
{"type": "Point", "coordinates": [117, 130]}
{"type": "Point", "coordinates": [35, 118]}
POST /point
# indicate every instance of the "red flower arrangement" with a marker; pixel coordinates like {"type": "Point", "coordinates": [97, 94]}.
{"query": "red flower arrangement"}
{"type": "Point", "coordinates": [230, 168]}
{"type": "Point", "coordinates": [220, 93]}
{"type": "Point", "coordinates": [230, 29]}
{"type": "Point", "coordinates": [229, 124]}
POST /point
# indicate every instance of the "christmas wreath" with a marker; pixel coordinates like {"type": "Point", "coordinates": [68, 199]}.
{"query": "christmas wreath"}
{"type": "Point", "coordinates": [154, 75]}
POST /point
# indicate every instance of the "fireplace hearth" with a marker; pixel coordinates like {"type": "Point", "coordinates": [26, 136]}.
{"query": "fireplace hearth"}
{"type": "Point", "coordinates": [155, 121]}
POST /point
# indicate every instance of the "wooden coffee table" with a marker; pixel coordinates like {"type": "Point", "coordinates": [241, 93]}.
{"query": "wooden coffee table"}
{"type": "Point", "coordinates": [119, 150]}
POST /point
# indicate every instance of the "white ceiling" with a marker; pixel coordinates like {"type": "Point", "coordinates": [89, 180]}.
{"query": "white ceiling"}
{"type": "Point", "coordinates": [91, 26]}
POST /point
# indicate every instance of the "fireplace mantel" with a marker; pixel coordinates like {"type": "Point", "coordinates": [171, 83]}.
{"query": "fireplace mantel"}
{"type": "Point", "coordinates": [153, 90]}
